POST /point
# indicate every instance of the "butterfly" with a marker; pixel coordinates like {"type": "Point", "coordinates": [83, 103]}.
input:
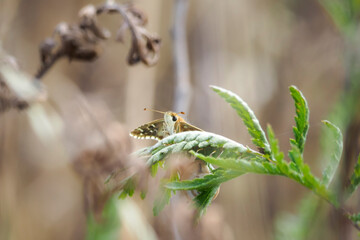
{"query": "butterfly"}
{"type": "Point", "coordinates": [172, 123]}
{"type": "Point", "coordinates": [158, 129]}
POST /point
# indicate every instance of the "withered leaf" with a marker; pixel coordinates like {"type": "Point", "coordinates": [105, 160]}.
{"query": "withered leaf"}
{"type": "Point", "coordinates": [81, 41]}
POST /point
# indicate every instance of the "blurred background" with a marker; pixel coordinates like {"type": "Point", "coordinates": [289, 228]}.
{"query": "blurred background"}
{"type": "Point", "coordinates": [255, 48]}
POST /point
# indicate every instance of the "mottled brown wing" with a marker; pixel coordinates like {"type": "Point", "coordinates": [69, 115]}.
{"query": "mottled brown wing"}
{"type": "Point", "coordinates": [185, 127]}
{"type": "Point", "coordinates": [152, 130]}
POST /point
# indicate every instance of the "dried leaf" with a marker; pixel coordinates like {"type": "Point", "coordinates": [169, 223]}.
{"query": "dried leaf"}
{"type": "Point", "coordinates": [46, 49]}
{"type": "Point", "coordinates": [81, 41]}
{"type": "Point", "coordinates": [88, 21]}
{"type": "Point", "coordinates": [145, 45]}
{"type": "Point", "coordinates": [120, 35]}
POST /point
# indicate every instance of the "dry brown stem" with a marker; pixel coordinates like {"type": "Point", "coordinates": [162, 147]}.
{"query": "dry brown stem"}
{"type": "Point", "coordinates": [183, 89]}
{"type": "Point", "coordinates": [81, 41]}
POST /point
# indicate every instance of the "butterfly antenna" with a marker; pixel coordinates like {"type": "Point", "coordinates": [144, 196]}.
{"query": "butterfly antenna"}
{"type": "Point", "coordinates": [153, 110]}
{"type": "Point", "coordinates": [182, 113]}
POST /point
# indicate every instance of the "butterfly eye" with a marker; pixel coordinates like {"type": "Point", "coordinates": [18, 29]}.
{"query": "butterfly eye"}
{"type": "Point", "coordinates": [174, 118]}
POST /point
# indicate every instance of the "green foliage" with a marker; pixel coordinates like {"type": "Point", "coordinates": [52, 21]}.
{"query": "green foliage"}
{"type": "Point", "coordinates": [207, 187]}
{"type": "Point", "coordinates": [234, 159]}
{"type": "Point", "coordinates": [345, 14]}
{"type": "Point", "coordinates": [241, 165]}
{"type": "Point", "coordinates": [143, 195]}
{"type": "Point", "coordinates": [301, 120]}
{"type": "Point", "coordinates": [154, 168]}
{"type": "Point", "coordinates": [276, 155]}
{"type": "Point", "coordinates": [162, 200]}
{"type": "Point", "coordinates": [198, 141]}
{"type": "Point", "coordinates": [335, 157]}
{"type": "Point", "coordinates": [305, 177]}
{"type": "Point", "coordinates": [128, 189]}
{"type": "Point", "coordinates": [300, 130]}
{"type": "Point", "coordinates": [298, 226]}
{"type": "Point", "coordinates": [108, 227]}
{"type": "Point", "coordinates": [248, 116]}
{"type": "Point", "coordinates": [164, 196]}
{"type": "Point", "coordinates": [355, 218]}
{"type": "Point", "coordinates": [204, 198]}
{"type": "Point", "coordinates": [208, 181]}
{"type": "Point", "coordinates": [340, 13]}
{"type": "Point", "coordinates": [355, 178]}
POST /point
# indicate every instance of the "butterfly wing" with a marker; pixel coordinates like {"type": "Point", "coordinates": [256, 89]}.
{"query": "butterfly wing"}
{"type": "Point", "coordinates": [158, 130]}
{"type": "Point", "coordinates": [152, 130]}
{"type": "Point", "coordinates": [185, 127]}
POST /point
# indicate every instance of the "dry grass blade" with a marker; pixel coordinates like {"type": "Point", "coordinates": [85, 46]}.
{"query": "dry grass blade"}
{"type": "Point", "coordinates": [17, 90]}
{"type": "Point", "coordinates": [9, 100]}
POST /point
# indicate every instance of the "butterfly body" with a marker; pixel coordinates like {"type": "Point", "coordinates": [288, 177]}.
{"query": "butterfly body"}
{"type": "Point", "coordinates": [158, 129]}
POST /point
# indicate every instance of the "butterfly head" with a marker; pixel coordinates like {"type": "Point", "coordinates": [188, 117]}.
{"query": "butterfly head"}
{"type": "Point", "coordinates": [171, 121]}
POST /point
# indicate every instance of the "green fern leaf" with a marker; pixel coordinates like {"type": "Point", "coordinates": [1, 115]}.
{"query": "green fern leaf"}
{"type": "Point", "coordinates": [161, 201]}
{"type": "Point", "coordinates": [198, 141]}
{"type": "Point", "coordinates": [246, 166]}
{"type": "Point", "coordinates": [355, 178]}
{"type": "Point", "coordinates": [276, 154]}
{"type": "Point", "coordinates": [217, 177]}
{"type": "Point", "coordinates": [301, 119]}
{"type": "Point", "coordinates": [355, 218]}
{"type": "Point", "coordinates": [164, 196]}
{"type": "Point", "coordinates": [128, 189]}
{"type": "Point", "coordinates": [204, 199]}
{"type": "Point", "coordinates": [335, 157]}
{"type": "Point", "coordinates": [248, 117]}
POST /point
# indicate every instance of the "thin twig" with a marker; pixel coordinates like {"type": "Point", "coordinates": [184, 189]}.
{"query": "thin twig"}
{"type": "Point", "coordinates": [347, 214]}
{"type": "Point", "coordinates": [183, 91]}
{"type": "Point", "coordinates": [98, 126]}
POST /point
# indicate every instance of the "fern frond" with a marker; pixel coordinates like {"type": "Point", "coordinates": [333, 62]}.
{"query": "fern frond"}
{"type": "Point", "coordinates": [248, 117]}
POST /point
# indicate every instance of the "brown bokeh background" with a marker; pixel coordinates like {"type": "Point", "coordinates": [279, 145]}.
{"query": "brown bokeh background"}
{"type": "Point", "coordinates": [255, 48]}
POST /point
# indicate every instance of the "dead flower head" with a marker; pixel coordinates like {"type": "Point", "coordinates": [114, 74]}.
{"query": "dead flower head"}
{"type": "Point", "coordinates": [145, 46]}
{"type": "Point", "coordinates": [81, 41]}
